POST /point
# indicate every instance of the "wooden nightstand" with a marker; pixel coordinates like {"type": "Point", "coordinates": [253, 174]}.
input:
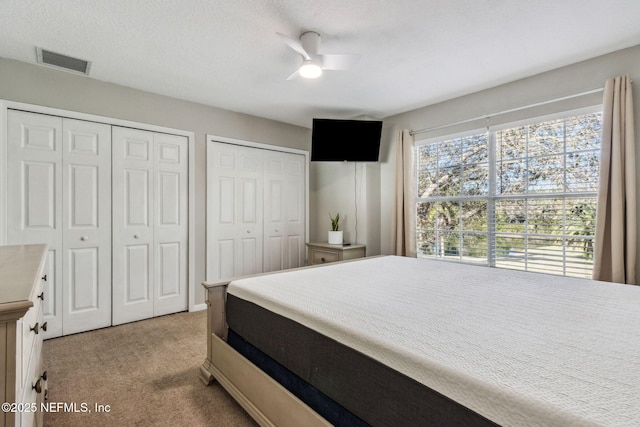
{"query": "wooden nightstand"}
{"type": "Point", "coordinates": [322, 252]}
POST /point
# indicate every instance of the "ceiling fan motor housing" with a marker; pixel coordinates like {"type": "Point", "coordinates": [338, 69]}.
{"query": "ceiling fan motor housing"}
{"type": "Point", "coordinates": [310, 41]}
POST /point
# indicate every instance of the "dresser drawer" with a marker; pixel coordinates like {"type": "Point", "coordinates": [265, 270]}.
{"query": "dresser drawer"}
{"type": "Point", "coordinates": [31, 343]}
{"type": "Point", "coordinates": [321, 257]}
{"type": "Point", "coordinates": [322, 252]}
{"type": "Point", "coordinates": [31, 328]}
{"type": "Point", "coordinates": [35, 389]}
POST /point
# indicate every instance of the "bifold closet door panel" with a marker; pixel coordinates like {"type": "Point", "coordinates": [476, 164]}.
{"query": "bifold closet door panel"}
{"type": "Point", "coordinates": [133, 245]}
{"type": "Point", "coordinates": [234, 210]}
{"type": "Point", "coordinates": [170, 226]}
{"type": "Point", "coordinates": [60, 193]}
{"type": "Point", "coordinates": [150, 224]}
{"type": "Point", "coordinates": [284, 213]}
{"type": "Point", "coordinates": [34, 187]}
{"type": "Point", "coordinates": [221, 211]}
{"type": "Point", "coordinates": [86, 196]}
{"type": "Point", "coordinates": [249, 211]}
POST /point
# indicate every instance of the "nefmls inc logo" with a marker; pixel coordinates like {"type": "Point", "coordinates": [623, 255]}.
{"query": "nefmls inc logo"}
{"type": "Point", "coordinates": [64, 407]}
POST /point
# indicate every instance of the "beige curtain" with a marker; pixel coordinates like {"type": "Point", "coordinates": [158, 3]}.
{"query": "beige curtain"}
{"type": "Point", "coordinates": [404, 212]}
{"type": "Point", "coordinates": [615, 244]}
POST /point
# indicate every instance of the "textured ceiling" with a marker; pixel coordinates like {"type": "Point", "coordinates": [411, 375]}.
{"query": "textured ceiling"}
{"type": "Point", "coordinates": [225, 53]}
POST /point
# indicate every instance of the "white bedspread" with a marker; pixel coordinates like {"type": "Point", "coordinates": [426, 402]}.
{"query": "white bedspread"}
{"type": "Point", "coordinates": [518, 348]}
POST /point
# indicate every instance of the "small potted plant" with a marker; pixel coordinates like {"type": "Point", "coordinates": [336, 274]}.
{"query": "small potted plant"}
{"type": "Point", "coordinates": [335, 235]}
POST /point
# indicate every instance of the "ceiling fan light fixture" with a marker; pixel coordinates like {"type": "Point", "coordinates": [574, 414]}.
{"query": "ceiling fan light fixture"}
{"type": "Point", "coordinates": [314, 64]}
{"type": "Point", "coordinates": [310, 70]}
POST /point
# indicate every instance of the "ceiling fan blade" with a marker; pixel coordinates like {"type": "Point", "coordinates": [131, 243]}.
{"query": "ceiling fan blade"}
{"type": "Point", "coordinates": [293, 76]}
{"type": "Point", "coordinates": [338, 62]}
{"type": "Point", "coordinates": [295, 45]}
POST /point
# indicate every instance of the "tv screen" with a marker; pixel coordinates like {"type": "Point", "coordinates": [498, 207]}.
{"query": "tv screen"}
{"type": "Point", "coordinates": [345, 140]}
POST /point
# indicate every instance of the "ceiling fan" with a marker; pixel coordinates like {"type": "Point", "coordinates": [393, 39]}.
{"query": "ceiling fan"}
{"type": "Point", "coordinates": [313, 63]}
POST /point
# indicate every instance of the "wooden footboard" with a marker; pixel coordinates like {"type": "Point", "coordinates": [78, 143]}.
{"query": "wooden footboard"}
{"type": "Point", "coordinates": [268, 403]}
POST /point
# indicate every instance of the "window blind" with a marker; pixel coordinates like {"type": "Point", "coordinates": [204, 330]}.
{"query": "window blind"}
{"type": "Point", "coordinates": [520, 197]}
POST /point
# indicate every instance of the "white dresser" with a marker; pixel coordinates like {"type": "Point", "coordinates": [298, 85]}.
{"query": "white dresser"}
{"type": "Point", "coordinates": [23, 382]}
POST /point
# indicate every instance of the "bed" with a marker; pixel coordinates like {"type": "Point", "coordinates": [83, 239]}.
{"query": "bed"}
{"type": "Point", "coordinates": [402, 341]}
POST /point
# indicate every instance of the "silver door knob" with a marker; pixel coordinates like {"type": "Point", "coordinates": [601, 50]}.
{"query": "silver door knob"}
{"type": "Point", "coordinates": [136, 236]}
{"type": "Point", "coordinates": [84, 238]}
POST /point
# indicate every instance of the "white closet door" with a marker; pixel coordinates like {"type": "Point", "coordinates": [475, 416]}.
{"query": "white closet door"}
{"type": "Point", "coordinates": [234, 210]}
{"type": "Point", "coordinates": [274, 216]}
{"type": "Point", "coordinates": [295, 209]}
{"type": "Point", "coordinates": [249, 211]}
{"type": "Point", "coordinates": [86, 201]}
{"type": "Point", "coordinates": [133, 244]}
{"type": "Point", "coordinates": [34, 181]}
{"type": "Point", "coordinates": [170, 226]}
{"type": "Point", "coordinates": [284, 181]}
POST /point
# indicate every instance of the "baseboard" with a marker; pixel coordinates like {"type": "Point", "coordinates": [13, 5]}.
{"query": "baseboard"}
{"type": "Point", "coordinates": [198, 307]}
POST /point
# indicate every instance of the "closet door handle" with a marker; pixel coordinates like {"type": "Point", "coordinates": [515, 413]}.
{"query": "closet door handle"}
{"type": "Point", "coordinates": [37, 386]}
{"type": "Point", "coordinates": [44, 277]}
{"type": "Point", "coordinates": [84, 238]}
{"type": "Point", "coordinates": [41, 296]}
{"type": "Point", "coordinates": [44, 328]}
{"type": "Point", "coordinates": [35, 328]}
{"type": "Point", "coordinates": [136, 236]}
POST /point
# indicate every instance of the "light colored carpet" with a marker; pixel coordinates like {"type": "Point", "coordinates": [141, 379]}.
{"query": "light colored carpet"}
{"type": "Point", "coordinates": [146, 371]}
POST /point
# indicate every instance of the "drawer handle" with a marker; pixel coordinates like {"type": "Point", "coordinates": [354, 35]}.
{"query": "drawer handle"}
{"type": "Point", "coordinates": [38, 386]}
{"type": "Point", "coordinates": [41, 296]}
{"type": "Point", "coordinates": [44, 277]}
{"type": "Point", "coordinates": [44, 376]}
{"type": "Point", "coordinates": [323, 260]}
{"type": "Point", "coordinates": [44, 328]}
{"type": "Point", "coordinates": [36, 328]}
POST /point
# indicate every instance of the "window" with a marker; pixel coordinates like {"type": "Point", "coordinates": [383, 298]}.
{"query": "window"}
{"type": "Point", "coordinates": [522, 197]}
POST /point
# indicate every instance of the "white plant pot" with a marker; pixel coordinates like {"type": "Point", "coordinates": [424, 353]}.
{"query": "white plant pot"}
{"type": "Point", "coordinates": [335, 237]}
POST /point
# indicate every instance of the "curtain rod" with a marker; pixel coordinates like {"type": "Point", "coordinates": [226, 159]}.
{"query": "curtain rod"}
{"type": "Point", "coordinates": [499, 113]}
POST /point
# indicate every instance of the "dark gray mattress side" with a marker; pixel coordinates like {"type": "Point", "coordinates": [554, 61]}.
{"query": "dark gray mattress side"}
{"type": "Point", "coordinates": [370, 390]}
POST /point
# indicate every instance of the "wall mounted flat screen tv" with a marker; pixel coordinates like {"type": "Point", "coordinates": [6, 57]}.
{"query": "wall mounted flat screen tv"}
{"type": "Point", "coordinates": [335, 140]}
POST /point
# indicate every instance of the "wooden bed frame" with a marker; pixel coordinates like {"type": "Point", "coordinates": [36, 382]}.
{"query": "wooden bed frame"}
{"type": "Point", "coordinates": [268, 402]}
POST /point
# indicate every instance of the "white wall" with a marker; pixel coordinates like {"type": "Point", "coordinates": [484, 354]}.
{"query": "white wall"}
{"type": "Point", "coordinates": [573, 79]}
{"type": "Point", "coordinates": [353, 190]}
{"type": "Point", "coordinates": [37, 85]}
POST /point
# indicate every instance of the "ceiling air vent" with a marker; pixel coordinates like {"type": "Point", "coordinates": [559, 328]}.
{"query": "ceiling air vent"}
{"type": "Point", "coordinates": [64, 62]}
